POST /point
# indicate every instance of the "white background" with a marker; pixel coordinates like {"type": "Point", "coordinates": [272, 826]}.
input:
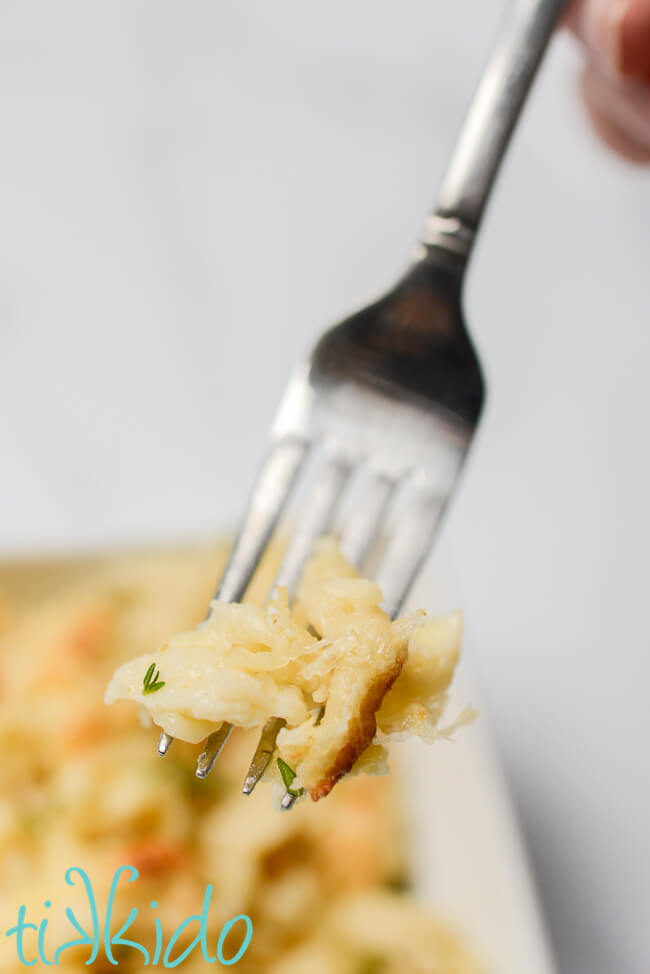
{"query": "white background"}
{"type": "Point", "coordinates": [189, 192]}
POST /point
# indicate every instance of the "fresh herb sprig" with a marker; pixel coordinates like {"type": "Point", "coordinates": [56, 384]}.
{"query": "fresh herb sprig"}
{"type": "Point", "coordinates": [288, 775]}
{"type": "Point", "coordinates": [151, 683]}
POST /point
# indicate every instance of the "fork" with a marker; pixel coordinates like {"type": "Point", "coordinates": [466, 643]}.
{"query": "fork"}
{"type": "Point", "coordinates": [391, 397]}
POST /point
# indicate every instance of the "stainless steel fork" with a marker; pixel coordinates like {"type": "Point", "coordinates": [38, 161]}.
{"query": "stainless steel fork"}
{"type": "Point", "coordinates": [393, 394]}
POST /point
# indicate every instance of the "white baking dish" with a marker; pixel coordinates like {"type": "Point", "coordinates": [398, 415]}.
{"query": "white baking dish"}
{"type": "Point", "coordinates": [469, 859]}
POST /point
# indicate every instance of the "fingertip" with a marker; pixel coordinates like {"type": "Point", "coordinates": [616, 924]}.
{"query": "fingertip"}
{"type": "Point", "coordinates": [634, 42]}
{"type": "Point", "coordinates": [616, 34]}
{"type": "Point", "coordinates": [620, 116]}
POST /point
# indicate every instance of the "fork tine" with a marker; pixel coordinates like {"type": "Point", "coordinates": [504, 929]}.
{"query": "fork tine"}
{"type": "Point", "coordinates": [210, 752]}
{"type": "Point", "coordinates": [406, 550]}
{"type": "Point", "coordinates": [164, 743]}
{"type": "Point", "coordinates": [360, 531]}
{"type": "Point", "coordinates": [357, 537]}
{"type": "Point", "coordinates": [408, 546]}
{"type": "Point", "coordinates": [271, 491]}
{"type": "Point", "coordinates": [288, 801]}
{"type": "Point", "coordinates": [263, 752]}
{"type": "Point", "coordinates": [315, 520]}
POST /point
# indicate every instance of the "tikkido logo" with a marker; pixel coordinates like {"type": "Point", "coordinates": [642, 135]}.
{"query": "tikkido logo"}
{"type": "Point", "coordinates": [32, 945]}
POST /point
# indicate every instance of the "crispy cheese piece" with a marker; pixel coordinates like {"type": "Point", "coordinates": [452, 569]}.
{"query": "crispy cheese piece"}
{"type": "Point", "coordinates": [322, 752]}
{"type": "Point", "coordinates": [341, 674]}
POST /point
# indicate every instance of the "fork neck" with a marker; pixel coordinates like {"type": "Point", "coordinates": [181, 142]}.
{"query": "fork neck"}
{"type": "Point", "coordinates": [490, 121]}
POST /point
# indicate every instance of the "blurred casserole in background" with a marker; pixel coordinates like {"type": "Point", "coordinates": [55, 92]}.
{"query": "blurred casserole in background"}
{"type": "Point", "coordinates": [326, 886]}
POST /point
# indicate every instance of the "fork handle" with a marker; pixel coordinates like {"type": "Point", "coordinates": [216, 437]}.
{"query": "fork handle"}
{"type": "Point", "coordinates": [490, 121]}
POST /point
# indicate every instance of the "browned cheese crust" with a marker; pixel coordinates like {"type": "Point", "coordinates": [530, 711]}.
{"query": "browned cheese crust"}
{"type": "Point", "coordinates": [362, 729]}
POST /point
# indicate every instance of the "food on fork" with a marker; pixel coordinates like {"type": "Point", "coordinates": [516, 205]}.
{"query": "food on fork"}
{"type": "Point", "coordinates": [341, 677]}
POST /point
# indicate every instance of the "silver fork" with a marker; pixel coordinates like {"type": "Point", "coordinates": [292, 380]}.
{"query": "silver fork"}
{"type": "Point", "coordinates": [393, 394]}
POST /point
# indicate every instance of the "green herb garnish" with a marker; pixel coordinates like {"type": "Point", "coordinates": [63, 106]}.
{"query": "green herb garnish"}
{"type": "Point", "coordinates": [151, 683]}
{"type": "Point", "coordinates": [372, 964]}
{"type": "Point", "coordinates": [399, 883]}
{"type": "Point", "coordinates": [288, 775]}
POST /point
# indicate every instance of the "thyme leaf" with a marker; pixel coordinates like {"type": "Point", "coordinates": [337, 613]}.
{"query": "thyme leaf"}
{"type": "Point", "coordinates": [288, 775]}
{"type": "Point", "coordinates": [151, 683]}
